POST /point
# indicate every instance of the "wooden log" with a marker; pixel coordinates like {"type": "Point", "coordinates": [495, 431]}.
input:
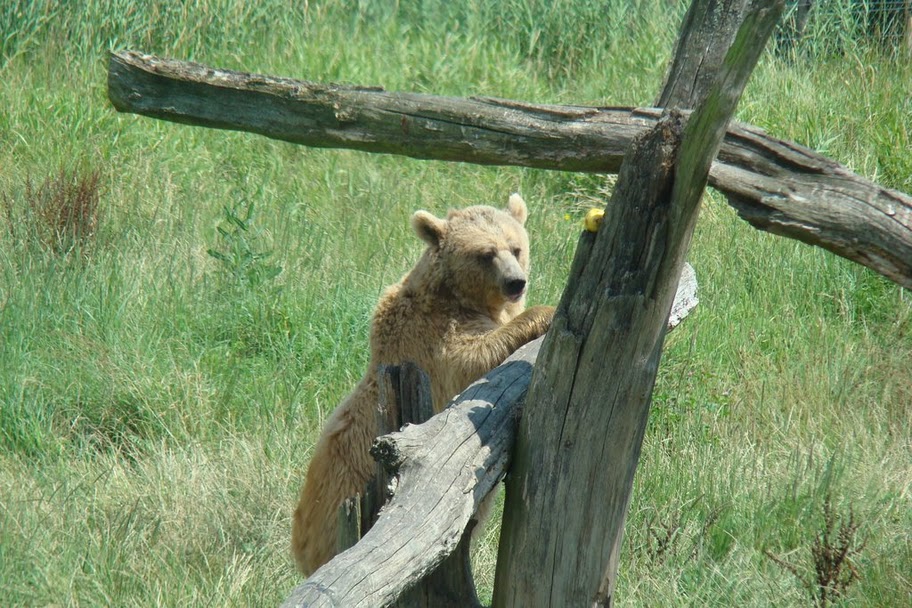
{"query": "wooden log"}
{"type": "Point", "coordinates": [705, 37]}
{"type": "Point", "coordinates": [775, 185]}
{"type": "Point", "coordinates": [582, 428]}
{"type": "Point", "coordinates": [405, 398]}
{"type": "Point", "coordinates": [348, 531]}
{"type": "Point", "coordinates": [446, 467]}
{"type": "Point", "coordinates": [685, 297]}
{"type": "Point", "coordinates": [452, 461]}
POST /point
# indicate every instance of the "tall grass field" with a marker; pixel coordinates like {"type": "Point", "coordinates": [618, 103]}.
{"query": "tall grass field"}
{"type": "Point", "coordinates": [181, 308]}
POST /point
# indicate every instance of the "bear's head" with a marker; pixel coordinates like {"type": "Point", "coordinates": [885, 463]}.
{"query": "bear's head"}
{"type": "Point", "coordinates": [480, 254]}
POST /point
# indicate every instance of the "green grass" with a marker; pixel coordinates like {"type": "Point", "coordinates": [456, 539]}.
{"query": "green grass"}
{"type": "Point", "coordinates": [158, 405]}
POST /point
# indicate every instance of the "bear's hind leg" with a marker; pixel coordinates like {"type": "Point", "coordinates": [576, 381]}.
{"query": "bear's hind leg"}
{"type": "Point", "coordinates": [340, 468]}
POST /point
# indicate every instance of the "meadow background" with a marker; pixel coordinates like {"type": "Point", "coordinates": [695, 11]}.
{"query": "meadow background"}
{"type": "Point", "coordinates": [181, 308]}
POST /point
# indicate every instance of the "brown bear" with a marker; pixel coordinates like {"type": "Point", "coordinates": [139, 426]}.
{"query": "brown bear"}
{"type": "Point", "coordinates": [457, 314]}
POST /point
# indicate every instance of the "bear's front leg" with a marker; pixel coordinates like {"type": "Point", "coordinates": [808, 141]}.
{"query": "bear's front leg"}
{"type": "Point", "coordinates": [472, 354]}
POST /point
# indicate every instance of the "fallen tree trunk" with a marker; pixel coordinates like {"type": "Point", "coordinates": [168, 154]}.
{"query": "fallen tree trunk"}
{"type": "Point", "coordinates": [777, 186]}
{"type": "Point", "coordinates": [445, 468]}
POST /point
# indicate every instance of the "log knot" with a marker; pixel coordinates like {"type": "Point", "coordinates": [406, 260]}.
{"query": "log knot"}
{"type": "Point", "coordinates": [385, 451]}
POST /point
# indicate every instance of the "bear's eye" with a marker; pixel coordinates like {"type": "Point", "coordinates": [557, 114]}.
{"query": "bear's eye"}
{"type": "Point", "coordinates": [487, 255]}
{"type": "Point", "coordinates": [517, 252]}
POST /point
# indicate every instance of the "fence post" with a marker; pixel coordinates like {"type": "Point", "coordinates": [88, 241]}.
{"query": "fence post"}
{"type": "Point", "coordinates": [405, 398]}
{"type": "Point", "coordinates": [582, 428]}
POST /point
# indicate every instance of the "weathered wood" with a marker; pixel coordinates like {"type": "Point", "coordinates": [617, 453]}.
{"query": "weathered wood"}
{"type": "Point", "coordinates": [414, 395]}
{"type": "Point", "coordinates": [406, 399]}
{"type": "Point", "coordinates": [582, 428]}
{"type": "Point", "coordinates": [706, 34]}
{"type": "Point", "coordinates": [685, 297]}
{"type": "Point", "coordinates": [446, 467]}
{"type": "Point", "coordinates": [348, 531]}
{"type": "Point", "coordinates": [775, 185]}
{"type": "Point", "coordinates": [465, 445]}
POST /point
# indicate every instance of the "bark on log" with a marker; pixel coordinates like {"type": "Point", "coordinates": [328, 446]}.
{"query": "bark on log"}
{"type": "Point", "coordinates": [405, 398]}
{"type": "Point", "coordinates": [582, 429]}
{"type": "Point", "coordinates": [705, 37]}
{"type": "Point", "coordinates": [777, 186]}
{"type": "Point", "coordinates": [446, 467]}
{"type": "Point", "coordinates": [452, 461]}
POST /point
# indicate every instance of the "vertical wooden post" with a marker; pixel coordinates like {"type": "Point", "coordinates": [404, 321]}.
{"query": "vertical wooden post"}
{"type": "Point", "coordinates": [580, 436]}
{"type": "Point", "coordinates": [405, 398]}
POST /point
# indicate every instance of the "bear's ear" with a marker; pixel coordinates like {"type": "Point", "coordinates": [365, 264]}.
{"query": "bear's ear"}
{"type": "Point", "coordinates": [430, 229]}
{"type": "Point", "coordinates": [516, 207]}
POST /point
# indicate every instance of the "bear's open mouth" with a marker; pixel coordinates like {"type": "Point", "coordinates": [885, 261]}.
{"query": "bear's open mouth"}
{"type": "Point", "coordinates": [516, 297]}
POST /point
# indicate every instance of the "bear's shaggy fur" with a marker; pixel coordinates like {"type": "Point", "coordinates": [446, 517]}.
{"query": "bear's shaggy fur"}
{"type": "Point", "coordinates": [457, 314]}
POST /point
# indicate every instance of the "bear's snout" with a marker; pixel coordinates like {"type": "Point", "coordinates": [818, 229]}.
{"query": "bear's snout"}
{"type": "Point", "coordinates": [514, 288]}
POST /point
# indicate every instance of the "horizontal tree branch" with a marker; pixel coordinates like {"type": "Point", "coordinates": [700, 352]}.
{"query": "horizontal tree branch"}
{"type": "Point", "coordinates": [777, 186]}
{"type": "Point", "coordinates": [445, 467]}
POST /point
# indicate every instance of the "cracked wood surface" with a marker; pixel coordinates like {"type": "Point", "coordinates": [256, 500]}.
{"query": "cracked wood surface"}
{"type": "Point", "coordinates": [445, 467]}
{"type": "Point", "coordinates": [459, 454]}
{"type": "Point", "coordinates": [776, 185]}
{"type": "Point", "coordinates": [581, 433]}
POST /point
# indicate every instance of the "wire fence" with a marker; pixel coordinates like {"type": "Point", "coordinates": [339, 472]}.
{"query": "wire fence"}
{"type": "Point", "coordinates": [837, 26]}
